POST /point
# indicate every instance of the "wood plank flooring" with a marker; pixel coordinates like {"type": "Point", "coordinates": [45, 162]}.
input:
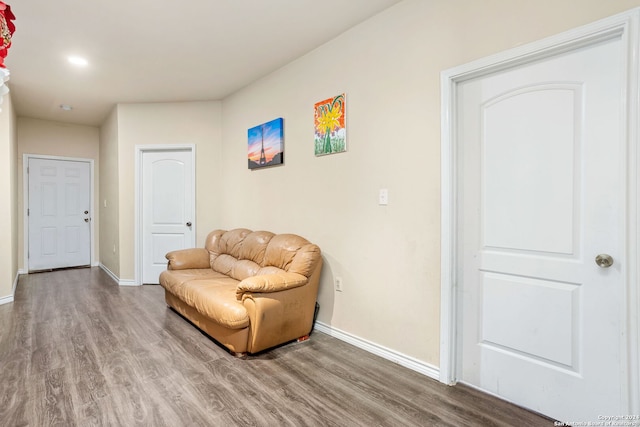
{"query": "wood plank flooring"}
{"type": "Point", "coordinates": [78, 350]}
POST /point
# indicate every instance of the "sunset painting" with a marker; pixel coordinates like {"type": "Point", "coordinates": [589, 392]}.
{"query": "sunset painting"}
{"type": "Point", "coordinates": [329, 123]}
{"type": "Point", "coordinates": [266, 144]}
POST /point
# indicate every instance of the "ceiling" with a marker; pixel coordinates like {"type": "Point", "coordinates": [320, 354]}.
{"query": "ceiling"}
{"type": "Point", "coordinates": [156, 51]}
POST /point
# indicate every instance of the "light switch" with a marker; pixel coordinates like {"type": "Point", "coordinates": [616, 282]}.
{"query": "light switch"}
{"type": "Point", "coordinates": [383, 197]}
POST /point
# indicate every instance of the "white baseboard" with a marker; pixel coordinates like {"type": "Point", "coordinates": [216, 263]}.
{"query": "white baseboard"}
{"type": "Point", "coordinates": [9, 298]}
{"type": "Point", "coordinates": [15, 282]}
{"type": "Point", "coordinates": [128, 283]}
{"type": "Point", "coordinates": [109, 273]}
{"type": "Point", "coordinates": [386, 353]}
{"type": "Point", "coordinates": [117, 279]}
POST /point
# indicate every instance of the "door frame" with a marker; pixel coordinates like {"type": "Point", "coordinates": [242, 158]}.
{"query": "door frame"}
{"type": "Point", "coordinates": [138, 221]}
{"type": "Point", "coordinates": [626, 26]}
{"type": "Point", "coordinates": [25, 203]}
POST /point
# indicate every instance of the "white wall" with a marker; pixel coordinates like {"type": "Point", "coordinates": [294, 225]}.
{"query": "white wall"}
{"type": "Point", "coordinates": [389, 67]}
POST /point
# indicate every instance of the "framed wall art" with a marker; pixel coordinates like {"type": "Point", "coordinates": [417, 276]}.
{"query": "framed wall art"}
{"type": "Point", "coordinates": [266, 144]}
{"type": "Point", "coordinates": [329, 123]}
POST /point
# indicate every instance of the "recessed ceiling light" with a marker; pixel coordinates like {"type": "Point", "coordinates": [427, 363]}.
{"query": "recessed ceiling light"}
{"type": "Point", "coordinates": [78, 61]}
{"type": "Point", "coordinates": [66, 107]}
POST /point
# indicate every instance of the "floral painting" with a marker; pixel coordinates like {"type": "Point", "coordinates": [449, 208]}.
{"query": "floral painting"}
{"type": "Point", "coordinates": [330, 130]}
{"type": "Point", "coordinates": [266, 144]}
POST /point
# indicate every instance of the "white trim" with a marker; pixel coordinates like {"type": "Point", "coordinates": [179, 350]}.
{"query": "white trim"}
{"type": "Point", "coordinates": [633, 214]}
{"type": "Point", "coordinates": [448, 214]}
{"type": "Point", "coordinates": [25, 202]}
{"type": "Point", "coordinates": [10, 298]}
{"type": "Point", "coordinates": [128, 283]}
{"type": "Point", "coordinates": [116, 278]}
{"type": "Point", "coordinates": [15, 283]}
{"type": "Point", "coordinates": [625, 25]}
{"type": "Point", "coordinates": [386, 353]}
{"type": "Point", "coordinates": [109, 273]}
{"type": "Point", "coordinates": [139, 150]}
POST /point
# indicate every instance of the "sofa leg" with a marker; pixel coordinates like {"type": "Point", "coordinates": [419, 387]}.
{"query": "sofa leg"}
{"type": "Point", "coordinates": [303, 338]}
{"type": "Point", "coordinates": [238, 355]}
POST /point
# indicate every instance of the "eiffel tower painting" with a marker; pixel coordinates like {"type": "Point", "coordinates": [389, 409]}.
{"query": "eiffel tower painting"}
{"type": "Point", "coordinates": [263, 158]}
{"type": "Point", "coordinates": [266, 144]}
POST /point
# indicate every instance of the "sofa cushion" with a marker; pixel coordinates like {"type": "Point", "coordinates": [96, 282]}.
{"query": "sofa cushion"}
{"type": "Point", "coordinates": [215, 299]}
{"type": "Point", "coordinates": [173, 279]}
{"type": "Point", "coordinates": [226, 242]}
{"type": "Point", "coordinates": [291, 253]}
{"type": "Point", "coordinates": [238, 253]}
{"type": "Point", "coordinates": [255, 245]}
{"type": "Point", "coordinates": [270, 270]}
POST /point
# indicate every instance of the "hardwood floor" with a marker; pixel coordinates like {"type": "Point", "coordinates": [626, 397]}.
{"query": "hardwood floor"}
{"type": "Point", "coordinates": [77, 349]}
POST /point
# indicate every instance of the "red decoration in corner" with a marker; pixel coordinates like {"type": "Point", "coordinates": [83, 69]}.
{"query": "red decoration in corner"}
{"type": "Point", "coordinates": [7, 28]}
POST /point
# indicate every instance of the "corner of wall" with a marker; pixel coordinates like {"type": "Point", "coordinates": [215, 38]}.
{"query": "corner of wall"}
{"type": "Point", "coordinates": [108, 202]}
{"type": "Point", "coordinates": [9, 209]}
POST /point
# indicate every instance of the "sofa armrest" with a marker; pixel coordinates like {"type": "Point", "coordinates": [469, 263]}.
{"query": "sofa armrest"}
{"type": "Point", "coordinates": [188, 258]}
{"type": "Point", "coordinates": [267, 283]}
{"type": "Point", "coordinates": [278, 317]}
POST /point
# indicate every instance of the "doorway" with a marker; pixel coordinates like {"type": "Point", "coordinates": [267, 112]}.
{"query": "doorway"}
{"type": "Point", "coordinates": [165, 205]}
{"type": "Point", "coordinates": [58, 212]}
{"type": "Point", "coordinates": [540, 220]}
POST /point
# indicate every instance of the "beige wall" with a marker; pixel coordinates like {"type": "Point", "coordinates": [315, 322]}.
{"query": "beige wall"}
{"type": "Point", "coordinates": [195, 123]}
{"type": "Point", "coordinates": [389, 67]}
{"type": "Point", "coordinates": [57, 139]}
{"type": "Point", "coordinates": [108, 200]}
{"type": "Point", "coordinates": [8, 207]}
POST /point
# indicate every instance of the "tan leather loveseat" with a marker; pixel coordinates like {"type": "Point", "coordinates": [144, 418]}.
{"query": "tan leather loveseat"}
{"type": "Point", "coordinates": [248, 290]}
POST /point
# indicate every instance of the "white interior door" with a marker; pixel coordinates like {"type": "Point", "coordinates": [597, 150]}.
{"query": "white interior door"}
{"type": "Point", "coordinates": [59, 214]}
{"type": "Point", "coordinates": [542, 193]}
{"type": "Point", "coordinates": [167, 208]}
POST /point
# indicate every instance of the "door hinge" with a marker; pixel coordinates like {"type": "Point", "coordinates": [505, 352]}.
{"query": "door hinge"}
{"type": "Point", "coordinates": [28, 211]}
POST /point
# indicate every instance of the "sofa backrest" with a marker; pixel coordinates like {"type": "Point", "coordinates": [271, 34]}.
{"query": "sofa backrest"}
{"type": "Point", "coordinates": [242, 253]}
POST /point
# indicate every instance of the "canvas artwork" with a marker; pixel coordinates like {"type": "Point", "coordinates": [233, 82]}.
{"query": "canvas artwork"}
{"type": "Point", "coordinates": [330, 129]}
{"type": "Point", "coordinates": [266, 144]}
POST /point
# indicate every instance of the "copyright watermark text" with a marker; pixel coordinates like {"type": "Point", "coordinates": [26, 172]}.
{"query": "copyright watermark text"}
{"type": "Point", "coordinates": [604, 420]}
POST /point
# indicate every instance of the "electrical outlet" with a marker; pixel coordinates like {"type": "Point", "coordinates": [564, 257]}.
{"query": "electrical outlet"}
{"type": "Point", "coordinates": [338, 284]}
